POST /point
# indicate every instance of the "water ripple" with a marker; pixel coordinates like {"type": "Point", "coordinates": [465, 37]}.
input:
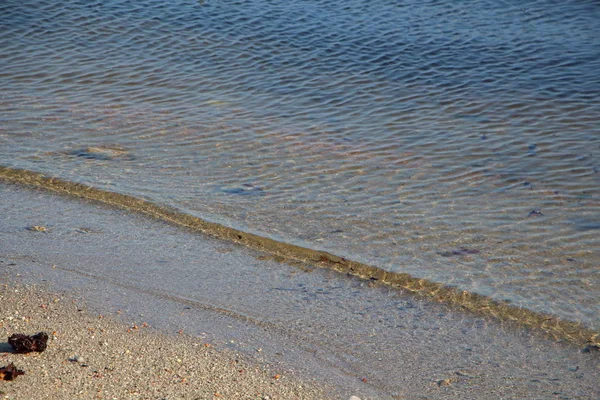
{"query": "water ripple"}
{"type": "Point", "coordinates": [390, 133]}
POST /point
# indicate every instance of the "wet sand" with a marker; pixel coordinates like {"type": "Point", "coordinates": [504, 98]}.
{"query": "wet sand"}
{"type": "Point", "coordinates": [341, 334]}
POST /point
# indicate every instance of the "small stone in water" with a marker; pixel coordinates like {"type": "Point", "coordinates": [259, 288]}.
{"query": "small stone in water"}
{"type": "Point", "coordinates": [37, 228]}
{"type": "Point", "coordinates": [102, 153]}
{"type": "Point", "coordinates": [590, 348]}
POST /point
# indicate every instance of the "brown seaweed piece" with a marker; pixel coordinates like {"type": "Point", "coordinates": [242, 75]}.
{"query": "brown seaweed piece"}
{"type": "Point", "coordinates": [26, 344]}
{"type": "Point", "coordinates": [10, 372]}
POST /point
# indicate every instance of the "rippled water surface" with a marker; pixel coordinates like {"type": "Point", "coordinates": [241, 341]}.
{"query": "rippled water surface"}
{"type": "Point", "coordinates": [457, 141]}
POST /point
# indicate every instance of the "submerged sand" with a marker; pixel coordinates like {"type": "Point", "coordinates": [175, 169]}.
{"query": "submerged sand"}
{"type": "Point", "coordinates": [296, 331]}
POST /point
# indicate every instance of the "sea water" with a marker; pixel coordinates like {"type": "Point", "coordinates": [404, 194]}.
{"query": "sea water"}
{"type": "Point", "coordinates": [455, 141]}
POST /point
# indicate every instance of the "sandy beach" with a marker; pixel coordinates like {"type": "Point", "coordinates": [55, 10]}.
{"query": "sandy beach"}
{"type": "Point", "coordinates": [137, 308]}
{"type": "Point", "coordinates": [93, 356]}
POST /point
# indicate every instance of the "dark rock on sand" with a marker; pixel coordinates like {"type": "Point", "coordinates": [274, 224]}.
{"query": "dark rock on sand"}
{"type": "Point", "coordinates": [246, 189]}
{"type": "Point", "coordinates": [102, 153]}
{"type": "Point", "coordinates": [26, 344]}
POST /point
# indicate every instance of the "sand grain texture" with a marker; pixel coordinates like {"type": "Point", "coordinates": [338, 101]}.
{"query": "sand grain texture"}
{"type": "Point", "coordinates": [96, 357]}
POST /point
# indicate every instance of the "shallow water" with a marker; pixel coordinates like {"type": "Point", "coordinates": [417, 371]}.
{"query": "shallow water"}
{"type": "Point", "coordinates": [364, 338]}
{"type": "Point", "coordinates": [455, 142]}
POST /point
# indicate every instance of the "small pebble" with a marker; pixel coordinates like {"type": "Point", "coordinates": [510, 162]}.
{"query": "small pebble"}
{"type": "Point", "coordinates": [590, 348]}
{"type": "Point", "coordinates": [353, 398]}
{"type": "Point", "coordinates": [79, 359]}
{"type": "Point", "coordinates": [37, 228]}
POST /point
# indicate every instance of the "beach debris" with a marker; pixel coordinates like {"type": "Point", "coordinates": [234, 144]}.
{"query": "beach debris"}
{"type": "Point", "coordinates": [460, 252]}
{"type": "Point", "coordinates": [353, 398]}
{"type": "Point", "coordinates": [10, 372]}
{"type": "Point", "coordinates": [466, 374]}
{"type": "Point", "coordinates": [446, 382]}
{"type": "Point", "coordinates": [37, 228]}
{"type": "Point", "coordinates": [26, 344]}
{"type": "Point", "coordinates": [535, 213]}
{"type": "Point", "coordinates": [528, 184]}
{"type": "Point", "coordinates": [86, 230]}
{"type": "Point", "coordinates": [590, 348]}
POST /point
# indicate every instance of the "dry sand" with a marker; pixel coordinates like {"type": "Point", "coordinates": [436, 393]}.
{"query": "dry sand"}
{"type": "Point", "coordinates": [92, 356]}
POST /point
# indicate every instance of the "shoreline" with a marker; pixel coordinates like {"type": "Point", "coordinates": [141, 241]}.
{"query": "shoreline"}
{"type": "Point", "coordinates": [317, 325]}
{"type": "Point", "coordinates": [480, 305]}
